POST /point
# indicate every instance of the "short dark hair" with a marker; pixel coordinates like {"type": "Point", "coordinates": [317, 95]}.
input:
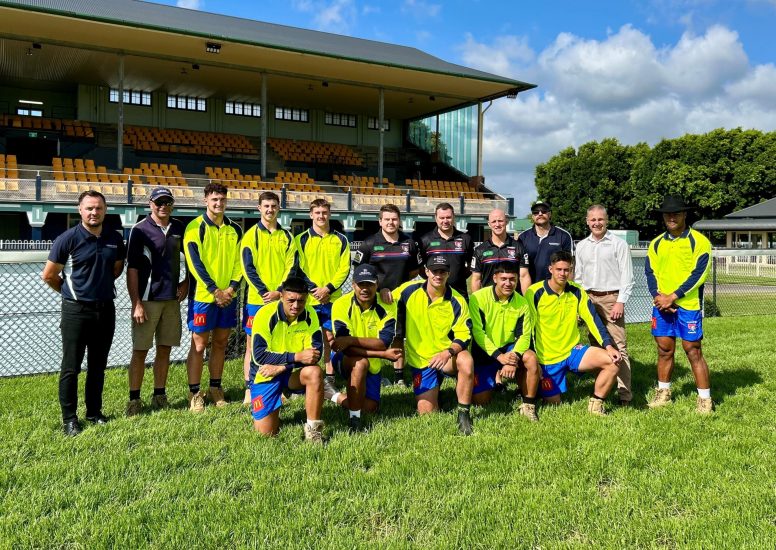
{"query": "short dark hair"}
{"type": "Point", "coordinates": [505, 267]}
{"type": "Point", "coordinates": [91, 193]}
{"type": "Point", "coordinates": [269, 196]}
{"type": "Point", "coordinates": [561, 256]}
{"type": "Point", "coordinates": [215, 188]}
{"type": "Point", "coordinates": [389, 208]}
{"type": "Point", "coordinates": [320, 203]}
{"type": "Point", "coordinates": [295, 284]}
{"type": "Point", "coordinates": [444, 206]}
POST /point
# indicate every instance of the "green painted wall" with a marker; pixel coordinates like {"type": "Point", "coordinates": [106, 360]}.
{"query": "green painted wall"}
{"type": "Point", "coordinates": [56, 104]}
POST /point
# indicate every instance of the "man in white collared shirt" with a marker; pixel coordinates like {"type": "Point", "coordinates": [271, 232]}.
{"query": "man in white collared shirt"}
{"type": "Point", "coordinates": [605, 269]}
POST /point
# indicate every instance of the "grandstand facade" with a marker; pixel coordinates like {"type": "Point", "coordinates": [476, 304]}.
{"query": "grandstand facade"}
{"type": "Point", "coordinates": [122, 95]}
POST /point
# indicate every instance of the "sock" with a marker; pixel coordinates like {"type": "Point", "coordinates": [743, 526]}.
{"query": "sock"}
{"type": "Point", "coordinates": [355, 414]}
{"type": "Point", "coordinates": [314, 423]}
{"type": "Point", "coordinates": [464, 407]}
{"type": "Point", "coordinates": [160, 391]}
{"type": "Point", "coordinates": [215, 382]}
{"type": "Point", "coordinates": [599, 398]}
{"type": "Point", "coordinates": [194, 388]}
{"type": "Point", "coordinates": [704, 394]}
{"type": "Point", "coordinates": [398, 374]}
{"type": "Point", "coordinates": [247, 384]}
{"type": "Point", "coordinates": [529, 400]}
{"type": "Point", "coordinates": [335, 398]}
{"type": "Point", "coordinates": [663, 385]}
{"type": "Point", "coordinates": [134, 394]}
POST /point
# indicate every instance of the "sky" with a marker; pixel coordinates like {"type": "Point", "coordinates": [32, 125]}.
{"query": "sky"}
{"type": "Point", "coordinates": [636, 71]}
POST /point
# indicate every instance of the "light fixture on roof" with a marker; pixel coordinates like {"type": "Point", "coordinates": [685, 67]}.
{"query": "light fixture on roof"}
{"type": "Point", "coordinates": [30, 102]}
{"type": "Point", "coordinates": [512, 94]}
{"type": "Point", "coordinates": [213, 47]}
{"type": "Point", "coordinates": [325, 84]}
{"type": "Point", "coordinates": [432, 98]}
{"type": "Point", "coordinates": [36, 46]}
{"type": "Point", "coordinates": [195, 66]}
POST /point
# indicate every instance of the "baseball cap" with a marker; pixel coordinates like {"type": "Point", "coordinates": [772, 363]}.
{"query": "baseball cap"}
{"type": "Point", "coordinates": [540, 204]}
{"type": "Point", "coordinates": [437, 262]}
{"type": "Point", "coordinates": [160, 192]}
{"type": "Point", "coordinates": [365, 273]}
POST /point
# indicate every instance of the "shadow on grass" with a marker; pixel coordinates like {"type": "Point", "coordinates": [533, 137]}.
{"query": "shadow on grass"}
{"type": "Point", "coordinates": [726, 383]}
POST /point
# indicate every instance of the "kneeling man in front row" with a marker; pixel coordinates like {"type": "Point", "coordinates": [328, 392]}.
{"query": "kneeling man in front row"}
{"type": "Point", "coordinates": [364, 328]}
{"type": "Point", "coordinates": [556, 304]}
{"type": "Point", "coordinates": [434, 321]}
{"type": "Point", "coordinates": [287, 345]}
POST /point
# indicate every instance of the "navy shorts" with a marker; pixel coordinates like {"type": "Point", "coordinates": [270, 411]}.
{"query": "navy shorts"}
{"type": "Point", "coordinates": [485, 376]}
{"type": "Point", "coordinates": [206, 316]}
{"type": "Point", "coordinates": [686, 324]}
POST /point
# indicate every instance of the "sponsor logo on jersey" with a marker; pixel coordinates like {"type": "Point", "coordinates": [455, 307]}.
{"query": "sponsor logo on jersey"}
{"type": "Point", "coordinates": [379, 248]}
{"type": "Point", "coordinates": [487, 253]}
{"type": "Point", "coordinates": [458, 244]}
{"type": "Point", "coordinates": [200, 319]}
{"type": "Point", "coordinates": [434, 243]}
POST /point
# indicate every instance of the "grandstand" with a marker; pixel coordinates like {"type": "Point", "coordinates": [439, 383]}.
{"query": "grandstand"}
{"type": "Point", "coordinates": [148, 98]}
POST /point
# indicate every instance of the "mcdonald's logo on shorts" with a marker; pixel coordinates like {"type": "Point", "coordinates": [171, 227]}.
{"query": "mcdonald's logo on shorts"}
{"type": "Point", "coordinates": [546, 384]}
{"type": "Point", "coordinates": [257, 403]}
{"type": "Point", "coordinates": [249, 322]}
{"type": "Point", "coordinates": [416, 380]}
{"type": "Point", "coordinates": [654, 323]}
{"type": "Point", "coordinates": [200, 319]}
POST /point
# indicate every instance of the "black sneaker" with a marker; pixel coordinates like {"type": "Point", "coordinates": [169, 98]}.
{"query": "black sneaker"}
{"type": "Point", "coordinates": [98, 419]}
{"type": "Point", "coordinates": [354, 425]}
{"type": "Point", "coordinates": [71, 428]}
{"type": "Point", "coordinates": [465, 423]}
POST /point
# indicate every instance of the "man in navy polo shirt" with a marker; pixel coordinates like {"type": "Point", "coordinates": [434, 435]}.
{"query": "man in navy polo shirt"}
{"type": "Point", "coordinates": [88, 321]}
{"type": "Point", "coordinates": [542, 240]}
{"type": "Point", "coordinates": [500, 248]}
{"type": "Point", "coordinates": [155, 288]}
{"type": "Point", "coordinates": [457, 246]}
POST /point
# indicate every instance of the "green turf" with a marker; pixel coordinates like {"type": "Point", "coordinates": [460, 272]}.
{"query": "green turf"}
{"type": "Point", "coordinates": [637, 479]}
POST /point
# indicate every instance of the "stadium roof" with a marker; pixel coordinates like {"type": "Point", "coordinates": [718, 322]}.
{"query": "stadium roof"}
{"type": "Point", "coordinates": [81, 40]}
{"type": "Point", "coordinates": [759, 217]}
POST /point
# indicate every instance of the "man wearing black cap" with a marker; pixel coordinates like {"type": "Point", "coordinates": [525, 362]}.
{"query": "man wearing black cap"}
{"type": "Point", "coordinates": [156, 288]}
{"type": "Point", "coordinates": [678, 263]}
{"type": "Point", "coordinates": [542, 240]}
{"type": "Point", "coordinates": [364, 327]}
{"type": "Point", "coordinates": [434, 321]}
{"type": "Point", "coordinates": [94, 257]}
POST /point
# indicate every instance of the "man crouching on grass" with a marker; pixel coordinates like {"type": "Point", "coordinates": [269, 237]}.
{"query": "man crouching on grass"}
{"type": "Point", "coordinates": [287, 345]}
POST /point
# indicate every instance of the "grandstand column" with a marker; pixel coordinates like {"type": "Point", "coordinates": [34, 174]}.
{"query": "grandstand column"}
{"type": "Point", "coordinates": [264, 116]}
{"type": "Point", "coordinates": [120, 122]}
{"type": "Point", "coordinates": [510, 206]}
{"type": "Point", "coordinates": [349, 225]}
{"type": "Point", "coordinates": [37, 218]}
{"type": "Point", "coordinates": [285, 219]}
{"type": "Point", "coordinates": [380, 132]}
{"type": "Point", "coordinates": [128, 220]}
{"type": "Point", "coordinates": [461, 224]}
{"type": "Point", "coordinates": [408, 224]}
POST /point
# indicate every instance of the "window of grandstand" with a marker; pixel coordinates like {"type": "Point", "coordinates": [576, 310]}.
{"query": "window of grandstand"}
{"type": "Point", "coordinates": [296, 115]}
{"type": "Point", "coordinates": [242, 109]}
{"type": "Point", "coordinates": [372, 123]}
{"type": "Point", "coordinates": [340, 119]}
{"type": "Point", "coordinates": [132, 97]}
{"type": "Point", "coordinates": [24, 111]}
{"type": "Point", "coordinates": [186, 103]}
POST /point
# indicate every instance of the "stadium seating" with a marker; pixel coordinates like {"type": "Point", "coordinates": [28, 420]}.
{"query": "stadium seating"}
{"type": "Point", "coordinates": [70, 128]}
{"type": "Point", "coordinates": [315, 152]}
{"type": "Point", "coordinates": [444, 189]}
{"type": "Point", "coordinates": [9, 173]}
{"type": "Point", "coordinates": [366, 185]}
{"type": "Point", "coordinates": [171, 140]}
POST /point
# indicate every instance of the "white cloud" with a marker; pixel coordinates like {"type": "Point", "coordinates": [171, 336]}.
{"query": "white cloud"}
{"type": "Point", "coordinates": [622, 86]}
{"type": "Point", "coordinates": [337, 16]}
{"type": "Point", "coordinates": [421, 9]}
{"type": "Point", "coordinates": [190, 4]}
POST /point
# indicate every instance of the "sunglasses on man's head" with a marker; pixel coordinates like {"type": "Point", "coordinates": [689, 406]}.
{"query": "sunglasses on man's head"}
{"type": "Point", "coordinates": [163, 202]}
{"type": "Point", "coordinates": [540, 211]}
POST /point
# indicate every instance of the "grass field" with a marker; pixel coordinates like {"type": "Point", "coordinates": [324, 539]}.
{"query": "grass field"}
{"type": "Point", "coordinates": [637, 479]}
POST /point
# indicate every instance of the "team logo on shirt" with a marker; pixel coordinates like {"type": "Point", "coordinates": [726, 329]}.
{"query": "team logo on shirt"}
{"type": "Point", "coordinates": [458, 244]}
{"type": "Point", "coordinates": [405, 247]}
{"type": "Point", "coordinates": [257, 403]}
{"type": "Point", "coordinates": [200, 319]}
{"type": "Point", "coordinates": [511, 251]}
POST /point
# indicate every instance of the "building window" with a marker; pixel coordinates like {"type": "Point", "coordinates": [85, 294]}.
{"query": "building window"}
{"type": "Point", "coordinates": [372, 124]}
{"type": "Point", "coordinates": [295, 115]}
{"type": "Point", "coordinates": [131, 97]}
{"type": "Point", "coordinates": [340, 119]}
{"type": "Point", "coordinates": [240, 108]}
{"type": "Point", "coordinates": [24, 111]}
{"type": "Point", "coordinates": [186, 103]}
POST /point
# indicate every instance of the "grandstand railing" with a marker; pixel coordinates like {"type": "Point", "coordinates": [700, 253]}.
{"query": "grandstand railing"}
{"type": "Point", "coordinates": [30, 312]}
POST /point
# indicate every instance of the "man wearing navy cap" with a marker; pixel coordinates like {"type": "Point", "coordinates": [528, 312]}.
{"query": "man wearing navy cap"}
{"type": "Point", "coordinates": [88, 321]}
{"type": "Point", "coordinates": [156, 289]}
{"type": "Point", "coordinates": [542, 240]}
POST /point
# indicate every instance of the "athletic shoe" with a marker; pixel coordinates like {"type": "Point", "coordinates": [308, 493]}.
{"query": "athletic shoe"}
{"type": "Point", "coordinates": [596, 407]}
{"type": "Point", "coordinates": [529, 411]}
{"type": "Point", "coordinates": [216, 396]}
{"type": "Point", "coordinates": [71, 428]}
{"type": "Point", "coordinates": [134, 406]}
{"type": "Point", "coordinates": [328, 388]}
{"type": "Point", "coordinates": [314, 435]}
{"type": "Point", "coordinates": [704, 405]}
{"type": "Point", "coordinates": [159, 402]}
{"type": "Point", "coordinates": [354, 425]}
{"type": "Point", "coordinates": [465, 423]}
{"type": "Point", "coordinates": [247, 398]}
{"type": "Point", "coordinates": [661, 398]}
{"type": "Point", "coordinates": [197, 402]}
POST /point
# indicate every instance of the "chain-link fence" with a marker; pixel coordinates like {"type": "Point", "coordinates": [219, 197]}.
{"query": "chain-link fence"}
{"type": "Point", "coordinates": [741, 283]}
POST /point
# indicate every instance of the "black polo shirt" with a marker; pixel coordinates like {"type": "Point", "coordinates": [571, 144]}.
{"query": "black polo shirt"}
{"type": "Point", "coordinates": [89, 274]}
{"type": "Point", "coordinates": [458, 249]}
{"type": "Point", "coordinates": [487, 256]}
{"type": "Point", "coordinates": [393, 260]}
{"type": "Point", "coordinates": [157, 258]}
{"type": "Point", "coordinates": [540, 250]}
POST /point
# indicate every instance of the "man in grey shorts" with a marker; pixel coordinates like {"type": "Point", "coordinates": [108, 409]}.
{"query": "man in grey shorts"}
{"type": "Point", "coordinates": [155, 288]}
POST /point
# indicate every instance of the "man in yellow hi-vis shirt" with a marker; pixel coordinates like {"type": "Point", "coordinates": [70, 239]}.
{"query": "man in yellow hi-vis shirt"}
{"type": "Point", "coordinates": [678, 263]}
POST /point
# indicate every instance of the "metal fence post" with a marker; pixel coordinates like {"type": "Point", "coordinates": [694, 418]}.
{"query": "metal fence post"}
{"type": "Point", "coordinates": [38, 186]}
{"type": "Point", "coordinates": [714, 278]}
